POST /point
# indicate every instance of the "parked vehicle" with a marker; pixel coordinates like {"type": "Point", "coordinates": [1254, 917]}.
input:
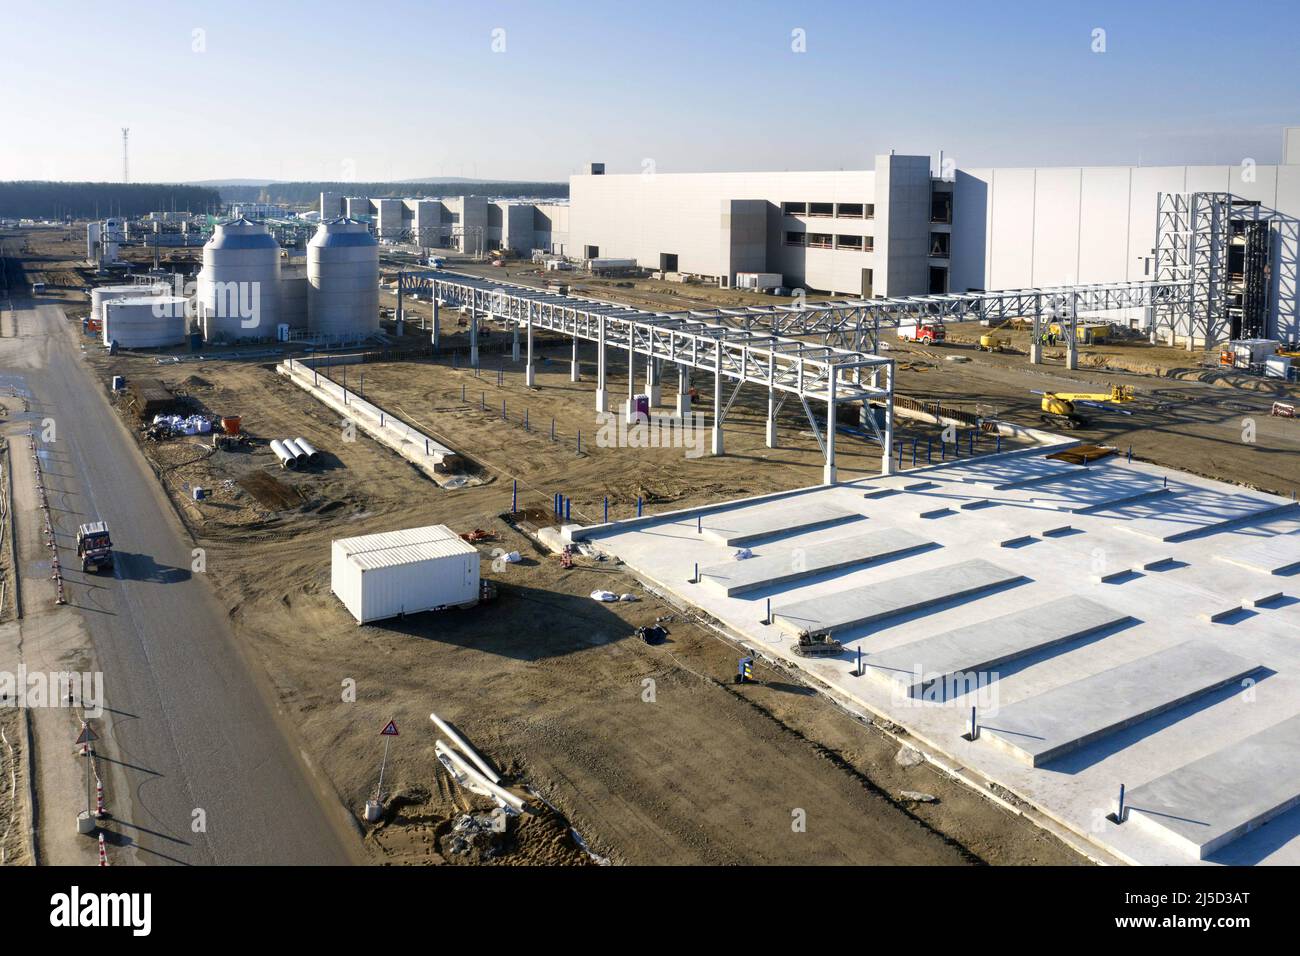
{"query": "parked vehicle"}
{"type": "Point", "coordinates": [926, 331]}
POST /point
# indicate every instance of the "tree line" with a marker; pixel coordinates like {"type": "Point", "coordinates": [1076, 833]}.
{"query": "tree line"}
{"type": "Point", "coordinates": [57, 200]}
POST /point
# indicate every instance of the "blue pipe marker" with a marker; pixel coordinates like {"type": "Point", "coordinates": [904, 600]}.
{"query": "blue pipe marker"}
{"type": "Point", "coordinates": [579, 441]}
{"type": "Point", "coordinates": [514, 495]}
{"type": "Point", "coordinates": [1119, 813]}
{"type": "Point", "coordinates": [972, 441]}
{"type": "Point", "coordinates": [638, 506]}
{"type": "Point", "coordinates": [568, 508]}
{"type": "Point", "coordinates": [606, 509]}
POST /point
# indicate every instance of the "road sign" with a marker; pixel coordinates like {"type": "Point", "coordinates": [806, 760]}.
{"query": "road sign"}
{"type": "Point", "coordinates": [390, 730]}
{"type": "Point", "coordinates": [87, 735]}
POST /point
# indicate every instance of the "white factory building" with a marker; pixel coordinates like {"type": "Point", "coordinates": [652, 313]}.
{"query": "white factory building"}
{"type": "Point", "coordinates": [900, 229]}
{"type": "Point", "coordinates": [470, 224]}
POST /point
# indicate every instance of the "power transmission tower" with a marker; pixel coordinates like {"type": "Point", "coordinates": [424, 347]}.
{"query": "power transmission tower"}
{"type": "Point", "coordinates": [126, 166]}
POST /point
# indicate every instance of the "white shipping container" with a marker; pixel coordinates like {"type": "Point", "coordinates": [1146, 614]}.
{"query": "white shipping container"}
{"type": "Point", "coordinates": [379, 576]}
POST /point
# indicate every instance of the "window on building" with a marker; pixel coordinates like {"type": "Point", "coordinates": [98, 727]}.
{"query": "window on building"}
{"type": "Point", "coordinates": [820, 240]}
{"type": "Point", "coordinates": [868, 243]}
{"type": "Point", "coordinates": [939, 244]}
{"type": "Point", "coordinates": [591, 252]}
{"type": "Point", "coordinates": [794, 208]}
{"type": "Point", "coordinates": [867, 283]}
{"type": "Point", "coordinates": [871, 210]}
{"type": "Point", "coordinates": [821, 209]}
{"type": "Point", "coordinates": [667, 262]}
{"type": "Point", "coordinates": [851, 243]}
{"type": "Point", "coordinates": [850, 210]}
{"type": "Point", "coordinates": [795, 238]}
{"type": "Point", "coordinates": [938, 280]}
{"type": "Point", "coordinates": [941, 207]}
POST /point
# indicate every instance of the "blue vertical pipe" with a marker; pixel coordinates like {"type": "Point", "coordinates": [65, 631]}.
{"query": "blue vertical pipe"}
{"type": "Point", "coordinates": [514, 495]}
{"type": "Point", "coordinates": [606, 509]}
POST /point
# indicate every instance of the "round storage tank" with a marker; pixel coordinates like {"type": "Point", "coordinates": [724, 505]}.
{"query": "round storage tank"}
{"type": "Point", "coordinates": [239, 286]}
{"type": "Point", "coordinates": [145, 322]}
{"type": "Point", "coordinates": [106, 293]}
{"type": "Point", "coordinates": [343, 281]}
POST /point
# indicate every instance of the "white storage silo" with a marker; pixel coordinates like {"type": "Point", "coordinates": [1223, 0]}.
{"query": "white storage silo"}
{"type": "Point", "coordinates": [107, 293]}
{"type": "Point", "coordinates": [92, 243]}
{"type": "Point", "coordinates": [239, 286]}
{"type": "Point", "coordinates": [145, 322]}
{"type": "Point", "coordinates": [343, 280]}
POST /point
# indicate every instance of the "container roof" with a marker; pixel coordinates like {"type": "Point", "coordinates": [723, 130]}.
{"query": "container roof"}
{"type": "Point", "coordinates": [410, 554]}
{"type": "Point", "coordinates": [395, 539]}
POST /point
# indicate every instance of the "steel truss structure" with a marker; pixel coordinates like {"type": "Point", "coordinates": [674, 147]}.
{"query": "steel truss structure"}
{"type": "Point", "coordinates": [1194, 234]}
{"type": "Point", "coordinates": [783, 366]}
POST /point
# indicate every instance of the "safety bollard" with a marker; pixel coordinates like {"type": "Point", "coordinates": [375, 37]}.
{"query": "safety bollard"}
{"type": "Point", "coordinates": [606, 521]}
{"type": "Point", "coordinates": [638, 506]}
{"type": "Point", "coordinates": [514, 495]}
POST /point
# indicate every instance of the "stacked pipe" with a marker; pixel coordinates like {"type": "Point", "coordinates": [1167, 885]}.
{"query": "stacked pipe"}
{"type": "Point", "coordinates": [294, 452]}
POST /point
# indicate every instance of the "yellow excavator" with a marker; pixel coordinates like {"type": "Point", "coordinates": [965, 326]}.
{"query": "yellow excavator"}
{"type": "Point", "coordinates": [1059, 408]}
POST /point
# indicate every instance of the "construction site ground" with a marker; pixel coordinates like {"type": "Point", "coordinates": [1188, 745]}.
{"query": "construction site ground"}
{"type": "Point", "coordinates": [553, 685]}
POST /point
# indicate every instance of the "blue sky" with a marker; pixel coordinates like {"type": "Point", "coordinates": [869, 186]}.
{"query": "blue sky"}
{"type": "Point", "coordinates": [377, 91]}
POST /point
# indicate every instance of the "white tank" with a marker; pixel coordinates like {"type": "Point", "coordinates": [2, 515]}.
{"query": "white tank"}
{"type": "Point", "coordinates": [239, 286]}
{"type": "Point", "coordinates": [343, 280]}
{"type": "Point", "coordinates": [108, 293]}
{"type": "Point", "coordinates": [92, 242]}
{"type": "Point", "coordinates": [145, 322]}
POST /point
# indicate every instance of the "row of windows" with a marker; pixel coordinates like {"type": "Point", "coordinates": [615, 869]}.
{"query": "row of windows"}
{"type": "Point", "coordinates": [828, 210]}
{"type": "Point", "coordinates": [940, 242]}
{"type": "Point", "coordinates": [824, 240]}
{"type": "Point", "coordinates": [940, 209]}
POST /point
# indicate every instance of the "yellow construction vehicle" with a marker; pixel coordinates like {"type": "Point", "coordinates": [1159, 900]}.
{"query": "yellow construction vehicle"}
{"type": "Point", "coordinates": [990, 341]}
{"type": "Point", "coordinates": [1059, 408]}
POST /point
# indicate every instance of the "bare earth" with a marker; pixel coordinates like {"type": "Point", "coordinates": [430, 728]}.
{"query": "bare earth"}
{"type": "Point", "coordinates": [651, 753]}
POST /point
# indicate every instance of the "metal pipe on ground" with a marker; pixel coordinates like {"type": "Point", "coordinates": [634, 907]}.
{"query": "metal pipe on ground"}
{"type": "Point", "coordinates": [469, 751]}
{"type": "Point", "coordinates": [287, 459]}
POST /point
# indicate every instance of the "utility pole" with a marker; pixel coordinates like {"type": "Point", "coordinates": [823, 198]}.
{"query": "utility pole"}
{"type": "Point", "coordinates": [126, 166]}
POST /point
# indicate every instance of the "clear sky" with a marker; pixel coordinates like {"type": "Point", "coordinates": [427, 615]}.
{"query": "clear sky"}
{"type": "Point", "coordinates": [331, 90]}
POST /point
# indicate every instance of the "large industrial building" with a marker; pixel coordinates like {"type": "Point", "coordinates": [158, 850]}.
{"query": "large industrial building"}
{"type": "Point", "coordinates": [900, 230]}
{"type": "Point", "coordinates": [1220, 242]}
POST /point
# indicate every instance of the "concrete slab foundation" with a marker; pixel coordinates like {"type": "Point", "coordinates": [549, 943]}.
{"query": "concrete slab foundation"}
{"type": "Point", "coordinates": [1276, 554]}
{"type": "Point", "coordinates": [791, 564]}
{"type": "Point", "coordinates": [1208, 803]}
{"type": "Point", "coordinates": [746, 526]}
{"type": "Point", "coordinates": [978, 648]}
{"type": "Point", "coordinates": [1042, 728]}
{"type": "Point", "coordinates": [878, 602]}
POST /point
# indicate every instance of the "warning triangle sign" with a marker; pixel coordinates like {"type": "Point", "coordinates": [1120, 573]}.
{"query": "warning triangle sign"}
{"type": "Point", "coordinates": [390, 730]}
{"type": "Point", "coordinates": [87, 735]}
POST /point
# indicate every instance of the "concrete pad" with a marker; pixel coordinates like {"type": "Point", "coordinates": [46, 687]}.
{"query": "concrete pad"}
{"type": "Point", "coordinates": [1262, 600]}
{"type": "Point", "coordinates": [1039, 729]}
{"type": "Point", "coordinates": [792, 564]}
{"type": "Point", "coordinates": [1186, 515]}
{"type": "Point", "coordinates": [770, 520]}
{"type": "Point", "coordinates": [976, 648]}
{"type": "Point", "coordinates": [890, 598]}
{"type": "Point", "coordinates": [1206, 804]}
{"type": "Point", "coordinates": [1277, 554]}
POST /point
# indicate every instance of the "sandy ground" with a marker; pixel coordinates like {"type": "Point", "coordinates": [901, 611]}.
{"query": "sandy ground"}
{"type": "Point", "coordinates": [553, 686]}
